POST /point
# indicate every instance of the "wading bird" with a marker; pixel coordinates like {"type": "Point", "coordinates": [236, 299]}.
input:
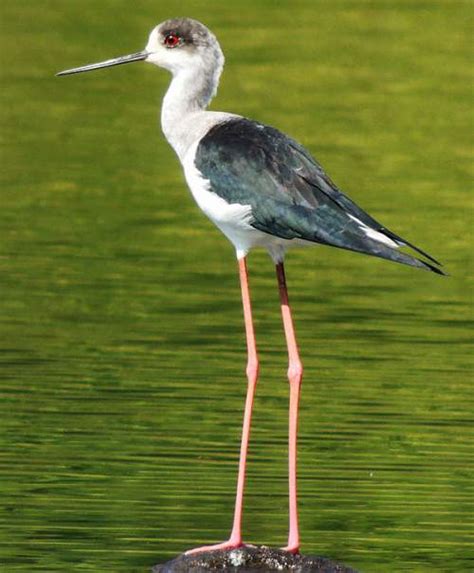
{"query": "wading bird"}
{"type": "Point", "coordinates": [262, 189]}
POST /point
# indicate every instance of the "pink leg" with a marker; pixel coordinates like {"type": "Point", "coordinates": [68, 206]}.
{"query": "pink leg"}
{"type": "Point", "coordinates": [295, 375]}
{"type": "Point", "coordinates": [235, 539]}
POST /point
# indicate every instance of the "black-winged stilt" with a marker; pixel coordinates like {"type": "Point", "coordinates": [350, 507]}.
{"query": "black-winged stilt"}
{"type": "Point", "coordinates": [261, 188]}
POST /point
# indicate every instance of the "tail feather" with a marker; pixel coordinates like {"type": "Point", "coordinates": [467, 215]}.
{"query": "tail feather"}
{"type": "Point", "coordinates": [328, 224]}
{"type": "Point", "coordinates": [376, 249]}
{"type": "Point", "coordinates": [404, 258]}
{"type": "Point", "coordinates": [353, 237]}
{"type": "Point", "coordinates": [369, 246]}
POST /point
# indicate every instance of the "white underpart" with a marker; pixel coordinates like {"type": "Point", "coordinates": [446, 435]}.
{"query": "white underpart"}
{"type": "Point", "coordinates": [185, 122]}
{"type": "Point", "coordinates": [233, 219]}
{"type": "Point", "coordinates": [375, 235]}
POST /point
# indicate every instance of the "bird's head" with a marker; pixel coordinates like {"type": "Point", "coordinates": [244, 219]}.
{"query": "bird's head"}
{"type": "Point", "coordinates": [182, 43]}
{"type": "Point", "coordinates": [176, 45]}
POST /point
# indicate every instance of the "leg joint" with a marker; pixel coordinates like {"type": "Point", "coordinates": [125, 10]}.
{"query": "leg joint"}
{"type": "Point", "coordinates": [252, 370]}
{"type": "Point", "coordinates": [295, 372]}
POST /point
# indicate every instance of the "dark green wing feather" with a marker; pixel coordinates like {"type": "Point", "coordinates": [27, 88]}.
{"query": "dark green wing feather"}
{"type": "Point", "coordinates": [290, 194]}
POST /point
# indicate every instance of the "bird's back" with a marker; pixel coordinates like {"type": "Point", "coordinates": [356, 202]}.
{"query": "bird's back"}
{"type": "Point", "coordinates": [290, 195]}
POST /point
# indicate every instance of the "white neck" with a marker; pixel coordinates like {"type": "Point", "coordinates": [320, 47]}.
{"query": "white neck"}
{"type": "Point", "coordinates": [190, 92]}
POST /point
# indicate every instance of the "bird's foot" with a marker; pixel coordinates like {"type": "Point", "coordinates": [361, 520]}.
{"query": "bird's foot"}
{"type": "Point", "coordinates": [226, 545]}
{"type": "Point", "coordinates": [295, 549]}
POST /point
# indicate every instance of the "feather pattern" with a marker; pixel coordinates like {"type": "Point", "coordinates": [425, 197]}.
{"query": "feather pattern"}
{"type": "Point", "coordinates": [290, 195]}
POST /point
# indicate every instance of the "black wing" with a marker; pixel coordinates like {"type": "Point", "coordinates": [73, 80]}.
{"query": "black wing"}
{"type": "Point", "coordinates": [290, 194]}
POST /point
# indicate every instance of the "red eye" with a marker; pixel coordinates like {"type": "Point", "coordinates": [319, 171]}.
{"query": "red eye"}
{"type": "Point", "coordinates": [172, 40]}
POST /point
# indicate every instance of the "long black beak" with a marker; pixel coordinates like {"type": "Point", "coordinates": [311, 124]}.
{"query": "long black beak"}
{"type": "Point", "coordinates": [107, 64]}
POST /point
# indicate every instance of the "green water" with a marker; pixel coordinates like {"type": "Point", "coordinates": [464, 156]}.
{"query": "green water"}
{"type": "Point", "coordinates": [122, 346]}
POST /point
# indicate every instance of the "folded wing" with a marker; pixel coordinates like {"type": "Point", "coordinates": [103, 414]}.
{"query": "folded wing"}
{"type": "Point", "coordinates": [290, 194]}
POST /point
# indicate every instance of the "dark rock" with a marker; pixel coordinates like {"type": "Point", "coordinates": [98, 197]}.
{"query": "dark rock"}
{"type": "Point", "coordinates": [251, 559]}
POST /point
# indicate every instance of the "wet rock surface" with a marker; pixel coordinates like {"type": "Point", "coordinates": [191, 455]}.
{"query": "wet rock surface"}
{"type": "Point", "coordinates": [249, 560]}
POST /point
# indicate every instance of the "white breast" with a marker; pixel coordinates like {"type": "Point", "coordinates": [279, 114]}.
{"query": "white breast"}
{"type": "Point", "coordinates": [233, 219]}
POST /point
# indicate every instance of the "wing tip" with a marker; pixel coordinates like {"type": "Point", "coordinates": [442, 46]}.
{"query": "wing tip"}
{"type": "Point", "coordinates": [432, 268]}
{"type": "Point", "coordinates": [423, 254]}
{"type": "Point", "coordinates": [405, 243]}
